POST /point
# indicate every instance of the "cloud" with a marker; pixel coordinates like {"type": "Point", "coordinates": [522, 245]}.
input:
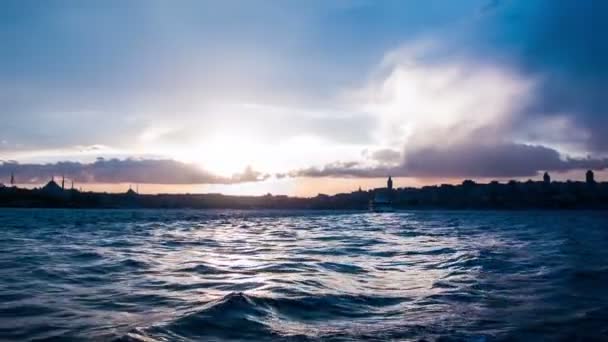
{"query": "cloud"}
{"type": "Point", "coordinates": [562, 45]}
{"type": "Point", "coordinates": [453, 116]}
{"type": "Point", "coordinates": [524, 95]}
{"type": "Point", "coordinates": [478, 159]}
{"type": "Point", "coordinates": [249, 175]}
{"type": "Point", "coordinates": [145, 171]}
{"type": "Point", "coordinates": [422, 95]}
{"type": "Point", "coordinates": [465, 160]}
{"type": "Point", "coordinates": [385, 156]}
{"type": "Point", "coordinates": [340, 169]}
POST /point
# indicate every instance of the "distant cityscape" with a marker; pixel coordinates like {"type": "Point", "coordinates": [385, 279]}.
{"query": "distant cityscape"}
{"type": "Point", "coordinates": [531, 194]}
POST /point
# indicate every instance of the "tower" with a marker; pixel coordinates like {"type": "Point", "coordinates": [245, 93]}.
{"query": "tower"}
{"type": "Point", "coordinates": [12, 178]}
{"type": "Point", "coordinates": [589, 177]}
{"type": "Point", "coordinates": [62, 182]}
{"type": "Point", "coordinates": [546, 178]}
{"type": "Point", "coordinates": [389, 183]}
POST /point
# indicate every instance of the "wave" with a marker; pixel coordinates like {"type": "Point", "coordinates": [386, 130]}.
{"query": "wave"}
{"type": "Point", "coordinates": [238, 316]}
{"type": "Point", "coordinates": [202, 269]}
{"type": "Point", "coordinates": [302, 276]}
{"type": "Point", "coordinates": [235, 315]}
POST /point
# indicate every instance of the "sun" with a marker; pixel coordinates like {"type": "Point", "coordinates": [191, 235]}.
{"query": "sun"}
{"type": "Point", "coordinates": [225, 154]}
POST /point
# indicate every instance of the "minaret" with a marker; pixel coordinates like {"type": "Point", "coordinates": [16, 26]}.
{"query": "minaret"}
{"type": "Point", "coordinates": [589, 177]}
{"type": "Point", "coordinates": [72, 185]}
{"type": "Point", "coordinates": [62, 182]}
{"type": "Point", "coordinates": [546, 178]}
{"type": "Point", "coordinates": [12, 178]}
{"type": "Point", "coordinates": [389, 183]}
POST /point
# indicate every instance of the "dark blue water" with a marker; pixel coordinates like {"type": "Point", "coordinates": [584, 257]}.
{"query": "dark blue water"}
{"type": "Point", "coordinates": [255, 275]}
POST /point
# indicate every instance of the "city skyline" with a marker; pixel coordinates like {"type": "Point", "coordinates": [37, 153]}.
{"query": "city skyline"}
{"type": "Point", "coordinates": [589, 176]}
{"type": "Point", "coordinates": [513, 195]}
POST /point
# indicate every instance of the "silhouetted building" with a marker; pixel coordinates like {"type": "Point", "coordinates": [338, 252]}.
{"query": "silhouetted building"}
{"type": "Point", "coordinates": [131, 192]}
{"type": "Point", "coordinates": [52, 188]}
{"type": "Point", "coordinates": [546, 178]}
{"type": "Point", "coordinates": [589, 177]}
{"type": "Point", "coordinates": [383, 197]}
{"type": "Point", "coordinates": [468, 183]}
{"type": "Point", "coordinates": [469, 195]}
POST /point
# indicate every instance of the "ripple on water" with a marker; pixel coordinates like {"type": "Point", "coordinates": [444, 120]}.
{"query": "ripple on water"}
{"type": "Point", "coordinates": [153, 275]}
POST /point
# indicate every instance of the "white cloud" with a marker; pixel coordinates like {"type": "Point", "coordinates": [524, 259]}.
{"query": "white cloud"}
{"type": "Point", "coordinates": [419, 100]}
{"type": "Point", "coordinates": [450, 116]}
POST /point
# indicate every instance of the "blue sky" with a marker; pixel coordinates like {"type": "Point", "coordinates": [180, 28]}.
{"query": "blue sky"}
{"type": "Point", "coordinates": [292, 89]}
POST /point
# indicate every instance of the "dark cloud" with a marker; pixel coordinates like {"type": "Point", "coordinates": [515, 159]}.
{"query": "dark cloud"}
{"type": "Point", "coordinates": [145, 171]}
{"type": "Point", "coordinates": [562, 44]}
{"type": "Point", "coordinates": [465, 160]}
{"type": "Point", "coordinates": [386, 156]}
{"type": "Point", "coordinates": [341, 169]}
{"type": "Point", "coordinates": [491, 160]}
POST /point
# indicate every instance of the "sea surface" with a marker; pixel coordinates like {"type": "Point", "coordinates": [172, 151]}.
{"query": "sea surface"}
{"type": "Point", "coordinates": [82, 275]}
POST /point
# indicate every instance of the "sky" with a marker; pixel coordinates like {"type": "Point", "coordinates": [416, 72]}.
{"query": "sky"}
{"type": "Point", "coordinates": [300, 97]}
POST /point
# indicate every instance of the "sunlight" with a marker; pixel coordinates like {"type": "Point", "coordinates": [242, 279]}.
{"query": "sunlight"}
{"type": "Point", "coordinates": [226, 154]}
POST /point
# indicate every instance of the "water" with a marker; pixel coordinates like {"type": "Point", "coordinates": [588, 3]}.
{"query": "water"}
{"type": "Point", "coordinates": [263, 275]}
